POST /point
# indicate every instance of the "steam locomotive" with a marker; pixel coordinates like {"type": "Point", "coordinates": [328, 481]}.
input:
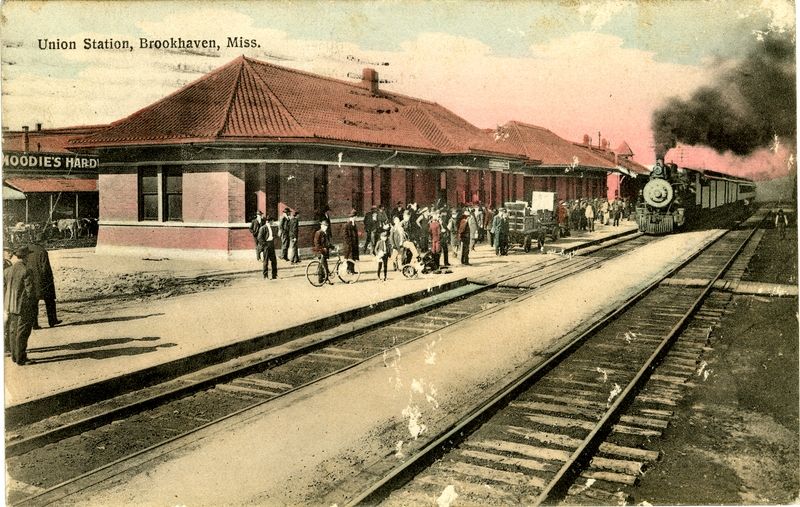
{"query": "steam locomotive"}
{"type": "Point", "coordinates": [676, 196]}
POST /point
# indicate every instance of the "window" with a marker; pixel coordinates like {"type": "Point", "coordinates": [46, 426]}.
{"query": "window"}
{"type": "Point", "coordinates": [320, 190]}
{"type": "Point", "coordinates": [358, 190]}
{"type": "Point", "coordinates": [173, 193]}
{"type": "Point", "coordinates": [148, 193]}
{"type": "Point", "coordinates": [161, 193]}
{"type": "Point", "coordinates": [386, 187]}
{"type": "Point", "coordinates": [410, 194]}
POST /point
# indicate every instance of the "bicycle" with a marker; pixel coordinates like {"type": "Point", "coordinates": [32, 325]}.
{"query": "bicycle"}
{"type": "Point", "coordinates": [317, 278]}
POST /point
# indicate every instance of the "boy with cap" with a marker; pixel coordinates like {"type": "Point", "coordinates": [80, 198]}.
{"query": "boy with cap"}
{"type": "Point", "coordinates": [382, 252]}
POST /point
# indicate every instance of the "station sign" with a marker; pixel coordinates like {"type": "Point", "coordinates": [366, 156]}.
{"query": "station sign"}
{"type": "Point", "coordinates": [498, 165]}
{"type": "Point", "coordinates": [27, 162]}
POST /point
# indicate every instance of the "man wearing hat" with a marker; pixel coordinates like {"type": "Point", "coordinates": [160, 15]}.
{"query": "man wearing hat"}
{"type": "Point", "coordinates": [464, 235]}
{"type": "Point", "coordinates": [350, 247]}
{"type": "Point", "coordinates": [283, 233]}
{"type": "Point", "coordinates": [255, 225]}
{"type": "Point", "coordinates": [18, 304]}
{"type": "Point", "coordinates": [322, 247]}
{"type": "Point", "coordinates": [38, 263]}
{"type": "Point", "coordinates": [267, 241]}
{"type": "Point", "coordinates": [294, 235]}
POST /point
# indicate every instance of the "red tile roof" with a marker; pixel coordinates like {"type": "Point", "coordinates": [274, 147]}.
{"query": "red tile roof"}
{"type": "Point", "coordinates": [249, 100]}
{"type": "Point", "coordinates": [47, 140]}
{"type": "Point", "coordinates": [39, 185]}
{"type": "Point", "coordinates": [541, 144]}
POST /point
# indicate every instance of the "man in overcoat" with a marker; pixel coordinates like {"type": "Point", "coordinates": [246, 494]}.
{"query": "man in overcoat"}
{"type": "Point", "coordinates": [464, 234]}
{"type": "Point", "coordinates": [38, 263]}
{"type": "Point", "coordinates": [19, 299]}
{"type": "Point", "coordinates": [283, 233]}
{"type": "Point", "coordinates": [350, 246]}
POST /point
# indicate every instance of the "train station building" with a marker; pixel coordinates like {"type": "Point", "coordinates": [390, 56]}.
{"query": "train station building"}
{"type": "Point", "coordinates": [186, 175]}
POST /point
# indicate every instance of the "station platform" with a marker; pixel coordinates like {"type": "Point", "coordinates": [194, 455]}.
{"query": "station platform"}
{"type": "Point", "coordinates": [141, 342]}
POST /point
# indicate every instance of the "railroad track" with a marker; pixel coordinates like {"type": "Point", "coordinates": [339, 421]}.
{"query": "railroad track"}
{"type": "Point", "coordinates": [59, 455]}
{"type": "Point", "coordinates": [575, 429]}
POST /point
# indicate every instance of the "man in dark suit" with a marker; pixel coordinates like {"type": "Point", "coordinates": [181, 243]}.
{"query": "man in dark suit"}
{"type": "Point", "coordinates": [283, 233]}
{"type": "Point", "coordinates": [38, 263]}
{"type": "Point", "coordinates": [464, 235]}
{"type": "Point", "coordinates": [322, 247]}
{"type": "Point", "coordinates": [255, 225]}
{"type": "Point", "coordinates": [267, 241]}
{"type": "Point", "coordinates": [294, 236]}
{"type": "Point", "coordinates": [19, 301]}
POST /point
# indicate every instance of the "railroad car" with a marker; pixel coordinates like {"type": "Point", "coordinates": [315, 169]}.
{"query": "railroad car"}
{"type": "Point", "coordinates": [676, 196]}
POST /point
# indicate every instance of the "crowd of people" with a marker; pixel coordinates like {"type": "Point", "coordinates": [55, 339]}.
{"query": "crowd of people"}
{"type": "Point", "coordinates": [581, 214]}
{"type": "Point", "coordinates": [407, 233]}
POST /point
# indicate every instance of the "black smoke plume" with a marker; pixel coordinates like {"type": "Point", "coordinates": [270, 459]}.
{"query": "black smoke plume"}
{"type": "Point", "coordinates": [743, 111]}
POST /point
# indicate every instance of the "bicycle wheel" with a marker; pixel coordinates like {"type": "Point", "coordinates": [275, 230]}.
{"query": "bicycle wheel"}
{"type": "Point", "coordinates": [347, 271]}
{"type": "Point", "coordinates": [313, 274]}
{"type": "Point", "coordinates": [409, 271]}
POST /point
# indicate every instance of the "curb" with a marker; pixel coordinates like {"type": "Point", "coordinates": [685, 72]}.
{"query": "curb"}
{"type": "Point", "coordinates": [597, 241]}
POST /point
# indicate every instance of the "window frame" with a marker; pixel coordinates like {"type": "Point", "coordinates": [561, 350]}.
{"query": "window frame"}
{"type": "Point", "coordinates": [162, 192]}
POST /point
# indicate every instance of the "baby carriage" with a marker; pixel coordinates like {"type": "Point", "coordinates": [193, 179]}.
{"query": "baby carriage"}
{"type": "Point", "coordinates": [411, 265]}
{"type": "Point", "coordinates": [414, 262]}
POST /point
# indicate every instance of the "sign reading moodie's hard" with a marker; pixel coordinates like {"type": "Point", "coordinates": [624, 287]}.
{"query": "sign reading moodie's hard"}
{"type": "Point", "coordinates": [57, 162]}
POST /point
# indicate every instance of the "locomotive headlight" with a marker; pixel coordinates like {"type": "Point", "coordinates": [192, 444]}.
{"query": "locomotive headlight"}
{"type": "Point", "coordinates": [657, 193]}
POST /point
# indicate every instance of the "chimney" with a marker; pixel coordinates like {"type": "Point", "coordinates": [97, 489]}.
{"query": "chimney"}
{"type": "Point", "coordinates": [25, 139]}
{"type": "Point", "coordinates": [38, 127]}
{"type": "Point", "coordinates": [369, 79]}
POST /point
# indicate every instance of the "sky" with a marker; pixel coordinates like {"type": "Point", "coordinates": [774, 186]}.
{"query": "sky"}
{"type": "Point", "coordinates": [574, 67]}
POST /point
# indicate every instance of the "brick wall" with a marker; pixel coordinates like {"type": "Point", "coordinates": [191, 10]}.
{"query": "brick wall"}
{"type": "Point", "coordinates": [206, 196]}
{"type": "Point", "coordinates": [184, 238]}
{"type": "Point", "coordinates": [118, 196]}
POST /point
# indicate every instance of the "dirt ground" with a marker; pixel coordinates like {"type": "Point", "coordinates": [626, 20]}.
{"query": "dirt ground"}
{"type": "Point", "coordinates": [734, 439]}
{"type": "Point", "coordinates": [89, 283]}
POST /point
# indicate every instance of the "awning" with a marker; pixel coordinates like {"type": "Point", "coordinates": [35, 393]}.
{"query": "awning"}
{"type": "Point", "coordinates": [49, 185]}
{"type": "Point", "coordinates": [9, 194]}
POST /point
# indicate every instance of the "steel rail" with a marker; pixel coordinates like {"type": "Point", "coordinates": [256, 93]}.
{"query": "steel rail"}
{"type": "Point", "coordinates": [89, 480]}
{"type": "Point", "coordinates": [27, 444]}
{"type": "Point", "coordinates": [557, 487]}
{"type": "Point", "coordinates": [485, 409]}
{"type": "Point", "coordinates": [457, 432]}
